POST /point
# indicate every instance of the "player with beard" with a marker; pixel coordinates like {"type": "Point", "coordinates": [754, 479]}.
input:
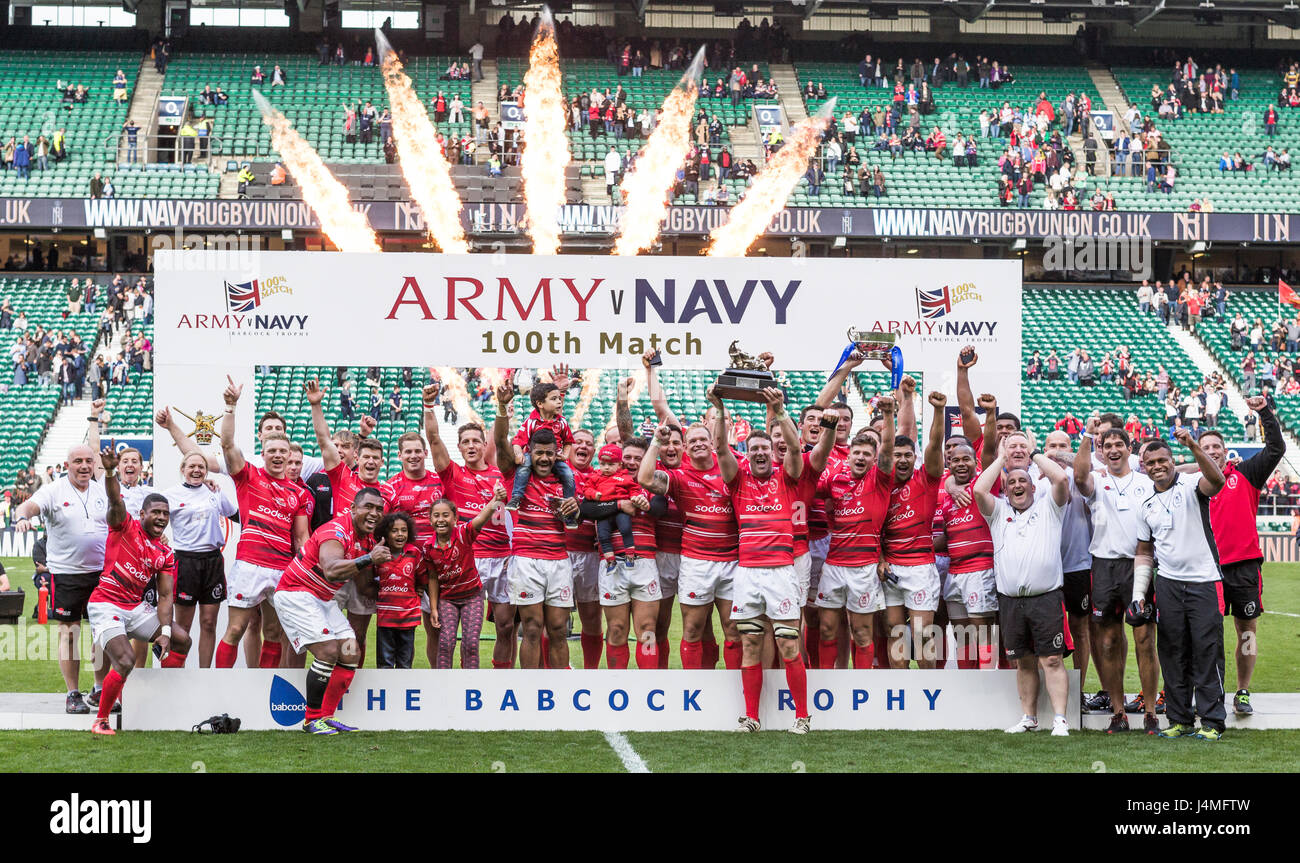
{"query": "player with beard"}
{"type": "Point", "coordinates": [580, 544]}
{"type": "Point", "coordinates": [709, 542]}
{"type": "Point", "coordinates": [274, 517]}
{"type": "Point", "coordinates": [471, 488]}
{"type": "Point", "coordinates": [344, 485]}
{"type": "Point", "coordinates": [971, 591]}
{"type": "Point", "coordinates": [912, 586]}
{"type": "Point", "coordinates": [343, 550]}
{"type": "Point", "coordinates": [540, 576]}
{"type": "Point", "coordinates": [1175, 534]}
{"type": "Point", "coordinates": [1076, 557]}
{"type": "Point", "coordinates": [764, 496]}
{"type": "Point", "coordinates": [857, 501]}
{"type": "Point", "coordinates": [1026, 531]}
{"type": "Point", "coordinates": [630, 593]}
{"type": "Point", "coordinates": [137, 557]}
{"type": "Point", "coordinates": [1232, 516]}
{"type": "Point", "coordinates": [1116, 497]}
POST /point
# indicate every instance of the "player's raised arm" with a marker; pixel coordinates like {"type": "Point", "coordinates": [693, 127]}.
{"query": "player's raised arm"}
{"type": "Point", "coordinates": [117, 513]}
{"type": "Point", "coordinates": [92, 433]}
{"type": "Point", "coordinates": [648, 475]}
{"type": "Point", "coordinates": [793, 457]}
{"type": "Point", "coordinates": [907, 407]}
{"type": "Point", "coordinates": [329, 453]}
{"type": "Point", "coordinates": [990, 449]}
{"type": "Point", "coordinates": [164, 419]}
{"type": "Point", "coordinates": [437, 449]}
{"type": "Point", "coordinates": [234, 457]}
{"type": "Point", "coordinates": [970, 421]}
{"type": "Point", "coordinates": [934, 444]}
{"type": "Point", "coordinates": [1057, 476]}
{"type": "Point", "coordinates": [501, 428]}
{"type": "Point", "coordinates": [658, 399]}
{"type": "Point", "coordinates": [983, 486]}
{"type": "Point", "coordinates": [1259, 467]}
{"type": "Point", "coordinates": [623, 410]}
{"type": "Point", "coordinates": [1211, 477]}
{"type": "Point", "coordinates": [885, 458]}
{"type": "Point", "coordinates": [727, 464]}
{"type": "Point", "coordinates": [825, 443]}
{"type": "Point", "coordinates": [1083, 460]}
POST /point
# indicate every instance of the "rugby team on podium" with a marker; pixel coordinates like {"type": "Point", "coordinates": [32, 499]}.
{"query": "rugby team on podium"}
{"type": "Point", "coordinates": [824, 543]}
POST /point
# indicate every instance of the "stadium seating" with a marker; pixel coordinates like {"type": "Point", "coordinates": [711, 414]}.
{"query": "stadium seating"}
{"type": "Point", "coordinates": [1198, 140]}
{"type": "Point", "coordinates": [26, 411]}
{"type": "Point", "coordinates": [313, 99]}
{"type": "Point", "coordinates": [1099, 321]}
{"type": "Point", "coordinates": [919, 179]}
{"type": "Point", "coordinates": [386, 183]}
{"type": "Point", "coordinates": [31, 105]}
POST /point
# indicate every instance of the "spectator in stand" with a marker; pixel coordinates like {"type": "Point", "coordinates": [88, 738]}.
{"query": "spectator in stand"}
{"type": "Point", "coordinates": [1144, 295]}
{"type": "Point", "coordinates": [1087, 371]}
{"type": "Point", "coordinates": [1034, 368]}
{"type": "Point", "coordinates": [1053, 371]}
{"type": "Point", "coordinates": [1248, 373]}
{"type": "Point", "coordinates": [1071, 425]}
{"type": "Point", "coordinates": [1270, 121]}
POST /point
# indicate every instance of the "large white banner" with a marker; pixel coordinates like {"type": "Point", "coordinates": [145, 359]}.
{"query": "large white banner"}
{"type": "Point", "coordinates": [633, 700]}
{"type": "Point", "coordinates": [218, 313]}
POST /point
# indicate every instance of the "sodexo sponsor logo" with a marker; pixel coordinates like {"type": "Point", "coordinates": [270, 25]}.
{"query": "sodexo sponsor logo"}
{"type": "Point", "coordinates": [287, 704]}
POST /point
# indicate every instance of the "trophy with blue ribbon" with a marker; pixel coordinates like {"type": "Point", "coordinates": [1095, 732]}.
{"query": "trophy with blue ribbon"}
{"type": "Point", "coordinates": [877, 345]}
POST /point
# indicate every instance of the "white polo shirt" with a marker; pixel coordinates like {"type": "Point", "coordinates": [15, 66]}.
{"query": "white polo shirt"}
{"type": "Point", "coordinates": [1116, 504]}
{"type": "Point", "coordinates": [196, 519]}
{"type": "Point", "coordinates": [1177, 523]}
{"type": "Point", "coordinates": [76, 524]}
{"type": "Point", "coordinates": [1027, 547]}
{"type": "Point", "coordinates": [133, 496]}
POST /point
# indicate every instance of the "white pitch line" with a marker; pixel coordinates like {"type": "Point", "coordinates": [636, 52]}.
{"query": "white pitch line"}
{"type": "Point", "coordinates": [632, 762]}
{"type": "Point", "coordinates": [1283, 613]}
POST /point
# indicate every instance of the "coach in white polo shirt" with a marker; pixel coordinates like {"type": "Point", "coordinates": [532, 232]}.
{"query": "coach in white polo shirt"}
{"type": "Point", "coordinates": [1175, 534]}
{"type": "Point", "coordinates": [74, 510]}
{"type": "Point", "coordinates": [1027, 564]}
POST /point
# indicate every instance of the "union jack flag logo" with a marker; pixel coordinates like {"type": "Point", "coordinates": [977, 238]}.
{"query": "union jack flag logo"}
{"type": "Point", "coordinates": [932, 304]}
{"type": "Point", "coordinates": [245, 297]}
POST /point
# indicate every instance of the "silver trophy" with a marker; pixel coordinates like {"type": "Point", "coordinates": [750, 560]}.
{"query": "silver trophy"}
{"type": "Point", "coordinates": [872, 344]}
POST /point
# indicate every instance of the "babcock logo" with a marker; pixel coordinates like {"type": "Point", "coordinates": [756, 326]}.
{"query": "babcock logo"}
{"type": "Point", "coordinates": [288, 707]}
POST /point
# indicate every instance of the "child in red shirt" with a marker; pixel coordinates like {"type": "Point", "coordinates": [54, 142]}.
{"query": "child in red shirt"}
{"type": "Point", "coordinates": [611, 484]}
{"type": "Point", "coordinates": [455, 589]}
{"type": "Point", "coordinates": [399, 583]}
{"type": "Point", "coordinates": [548, 413]}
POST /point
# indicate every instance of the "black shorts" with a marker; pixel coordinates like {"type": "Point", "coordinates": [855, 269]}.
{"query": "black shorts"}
{"type": "Point", "coordinates": [200, 578]}
{"type": "Point", "coordinates": [1078, 591]}
{"type": "Point", "coordinates": [1112, 588]}
{"type": "Point", "coordinates": [1034, 625]}
{"type": "Point", "coordinates": [70, 593]}
{"type": "Point", "coordinates": [1243, 589]}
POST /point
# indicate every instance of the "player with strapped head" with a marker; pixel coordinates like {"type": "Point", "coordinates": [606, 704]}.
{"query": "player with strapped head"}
{"type": "Point", "coordinates": [763, 495]}
{"type": "Point", "coordinates": [1232, 516]}
{"type": "Point", "coordinates": [1026, 531]}
{"type": "Point", "coordinates": [1115, 497]}
{"type": "Point", "coordinates": [472, 488]}
{"type": "Point", "coordinates": [857, 501]}
{"type": "Point", "coordinates": [540, 577]}
{"type": "Point", "coordinates": [342, 550]}
{"type": "Point", "coordinates": [273, 517]}
{"type": "Point", "coordinates": [1175, 535]}
{"type": "Point", "coordinates": [344, 485]}
{"type": "Point", "coordinates": [137, 556]}
{"type": "Point", "coordinates": [912, 586]}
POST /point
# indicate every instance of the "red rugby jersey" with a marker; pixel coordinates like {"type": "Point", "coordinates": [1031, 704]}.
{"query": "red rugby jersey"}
{"type": "Point", "coordinates": [805, 498]}
{"type": "Point", "coordinates": [765, 515]}
{"type": "Point", "coordinates": [855, 511]}
{"type": "Point", "coordinates": [817, 525]}
{"type": "Point", "coordinates": [267, 508]}
{"type": "Point", "coordinates": [131, 560]}
{"type": "Point", "coordinates": [344, 485]}
{"type": "Point", "coordinates": [970, 544]}
{"type": "Point", "coordinates": [304, 572]}
{"type": "Point", "coordinates": [453, 564]}
{"type": "Point", "coordinates": [416, 496]}
{"type": "Point", "coordinates": [398, 602]}
{"type": "Point", "coordinates": [582, 538]}
{"type": "Point", "coordinates": [708, 517]}
{"type": "Point", "coordinates": [668, 529]}
{"type": "Point", "coordinates": [643, 534]}
{"type": "Point", "coordinates": [558, 426]}
{"type": "Point", "coordinates": [538, 533]}
{"type": "Point", "coordinates": [472, 490]}
{"type": "Point", "coordinates": [906, 536]}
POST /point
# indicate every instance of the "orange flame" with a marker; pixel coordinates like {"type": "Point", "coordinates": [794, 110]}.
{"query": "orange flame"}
{"type": "Point", "coordinates": [648, 187]}
{"type": "Point", "coordinates": [771, 188]}
{"type": "Point", "coordinates": [422, 162]}
{"type": "Point", "coordinates": [346, 228]}
{"type": "Point", "coordinates": [453, 387]}
{"type": "Point", "coordinates": [546, 148]}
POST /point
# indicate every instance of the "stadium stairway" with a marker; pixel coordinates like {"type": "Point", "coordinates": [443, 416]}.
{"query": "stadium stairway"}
{"type": "Point", "coordinates": [66, 431]}
{"type": "Point", "coordinates": [485, 91]}
{"type": "Point", "coordinates": [144, 104]}
{"type": "Point", "coordinates": [1204, 359]}
{"type": "Point", "coordinates": [1112, 96]}
{"type": "Point", "coordinates": [787, 84]}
